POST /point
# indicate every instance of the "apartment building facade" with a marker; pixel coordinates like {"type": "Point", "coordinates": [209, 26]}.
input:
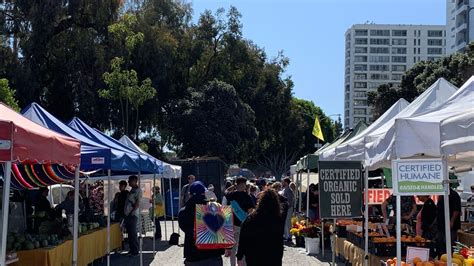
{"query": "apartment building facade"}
{"type": "Point", "coordinates": [377, 54]}
{"type": "Point", "coordinates": [459, 25]}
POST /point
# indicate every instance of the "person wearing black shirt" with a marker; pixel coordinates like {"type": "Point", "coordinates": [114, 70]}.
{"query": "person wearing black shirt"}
{"type": "Point", "coordinates": [261, 237]}
{"type": "Point", "coordinates": [454, 222]}
{"type": "Point", "coordinates": [313, 202]}
{"type": "Point", "coordinates": [186, 218]}
{"type": "Point", "coordinates": [42, 207]}
{"type": "Point", "coordinates": [241, 203]}
{"type": "Point", "coordinates": [119, 201]}
{"type": "Point", "coordinates": [428, 227]}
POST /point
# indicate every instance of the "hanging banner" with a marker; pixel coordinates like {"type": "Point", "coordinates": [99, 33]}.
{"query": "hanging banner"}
{"type": "Point", "coordinates": [418, 176]}
{"type": "Point", "coordinates": [378, 195]}
{"type": "Point", "coordinates": [340, 189]}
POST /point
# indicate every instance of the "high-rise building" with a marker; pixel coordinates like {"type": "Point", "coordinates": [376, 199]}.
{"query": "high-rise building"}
{"type": "Point", "coordinates": [379, 54]}
{"type": "Point", "coordinates": [459, 25]}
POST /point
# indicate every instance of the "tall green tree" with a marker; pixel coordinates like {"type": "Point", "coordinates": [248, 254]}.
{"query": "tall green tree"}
{"type": "Point", "coordinates": [7, 95]}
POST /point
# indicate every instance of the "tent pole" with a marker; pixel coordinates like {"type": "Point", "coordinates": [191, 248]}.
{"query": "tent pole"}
{"type": "Point", "coordinates": [140, 223]}
{"type": "Point", "coordinates": [5, 210]}
{"type": "Point", "coordinates": [171, 203]}
{"type": "Point", "coordinates": [164, 205]}
{"type": "Point", "coordinates": [300, 180]}
{"type": "Point", "coordinates": [366, 216]}
{"type": "Point", "coordinates": [307, 196]}
{"type": "Point", "coordinates": [153, 211]}
{"type": "Point", "coordinates": [76, 217]}
{"type": "Point", "coordinates": [447, 223]}
{"type": "Point", "coordinates": [399, 231]}
{"type": "Point", "coordinates": [179, 195]}
{"type": "Point", "coordinates": [109, 192]}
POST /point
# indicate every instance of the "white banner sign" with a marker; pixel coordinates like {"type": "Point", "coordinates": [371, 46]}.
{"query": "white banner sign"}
{"type": "Point", "coordinates": [418, 176]}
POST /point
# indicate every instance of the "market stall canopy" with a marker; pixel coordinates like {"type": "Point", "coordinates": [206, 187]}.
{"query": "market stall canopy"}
{"type": "Point", "coordinates": [24, 141]}
{"type": "Point", "coordinates": [166, 170]}
{"type": "Point", "coordinates": [123, 158]}
{"type": "Point", "coordinates": [421, 135]}
{"type": "Point", "coordinates": [457, 136]}
{"type": "Point", "coordinates": [379, 144]}
{"type": "Point", "coordinates": [93, 155]}
{"type": "Point", "coordinates": [353, 149]}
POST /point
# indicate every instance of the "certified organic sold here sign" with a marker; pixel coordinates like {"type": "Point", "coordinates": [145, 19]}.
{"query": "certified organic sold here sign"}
{"type": "Point", "coordinates": [418, 177]}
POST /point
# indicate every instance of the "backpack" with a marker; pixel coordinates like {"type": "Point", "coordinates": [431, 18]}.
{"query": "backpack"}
{"type": "Point", "coordinates": [213, 226]}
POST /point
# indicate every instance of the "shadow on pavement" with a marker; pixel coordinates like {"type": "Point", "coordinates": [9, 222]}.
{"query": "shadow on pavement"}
{"type": "Point", "coordinates": [121, 258]}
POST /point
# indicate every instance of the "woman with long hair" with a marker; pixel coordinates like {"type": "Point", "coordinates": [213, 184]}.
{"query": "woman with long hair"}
{"type": "Point", "coordinates": [261, 235]}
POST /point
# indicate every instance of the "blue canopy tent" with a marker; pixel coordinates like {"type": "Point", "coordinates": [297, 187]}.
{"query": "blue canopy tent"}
{"type": "Point", "coordinates": [93, 155]}
{"type": "Point", "coordinates": [145, 164]}
{"type": "Point", "coordinates": [96, 155]}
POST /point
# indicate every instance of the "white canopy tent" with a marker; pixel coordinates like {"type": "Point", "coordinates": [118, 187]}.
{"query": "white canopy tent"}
{"type": "Point", "coordinates": [457, 137]}
{"type": "Point", "coordinates": [354, 148]}
{"type": "Point", "coordinates": [422, 135]}
{"type": "Point", "coordinates": [379, 144]}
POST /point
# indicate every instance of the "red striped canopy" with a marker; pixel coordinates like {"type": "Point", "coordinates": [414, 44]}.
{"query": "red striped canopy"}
{"type": "Point", "coordinates": [24, 141]}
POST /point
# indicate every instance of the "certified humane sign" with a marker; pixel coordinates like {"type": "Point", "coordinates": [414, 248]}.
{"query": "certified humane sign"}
{"type": "Point", "coordinates": [340, 189]}
{"type": "Point", "coordinates": [418, 177]}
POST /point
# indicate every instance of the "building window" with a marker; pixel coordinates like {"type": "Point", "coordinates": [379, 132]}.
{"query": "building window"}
{"type": "Point", "coordinates": [380, 41]}
{"type": "Point", "coordinates": [360, 67]}
{"type": "Point", "coordinates": [379, 76]}
{"type": "Point", "coordinates": [346, 105]}
{"type": "Point", "coordinates": [360, 111]}
{"type": "Point", "coordinates": [360, 103]}
{"type": "Point", "coordinates": [359, 119]}
{"type": "Point", "coordinates": [399, 41]}
{"type": "Point", "coordinates": [360, 85]}
{"type": "Point", "coordinates": [360, 76]}
{"type": "Point", "coordinates": [360, 50]}
{"type": "Point", "coordinates": [435, 50]}
{"type": "Point", "coordinates": [399, 68]}
{"type": "Point", "coordinates": [379, 32]}
{"type": "Point", "coordinates": [397, 76]}
{"type": "Point", "coordinates": [379, 50]}
{"type": "Point", "coordinates": [399, 59]}
{"type": "Point", "coordinates": [435, 42]}
{"type": "Point", "coordinates": [360, 32]}
{"type": "Point", "coordinates": [360, 58]}
{"type": "Point", "coordinates": [399, 50]}
{"type": "Point", "coordinates": [374, 85]}
{"type": "Point", "coordinates": [361, 41]}
{"type": "Point", "coordinates": [378, 67]}
{"type": "Point", "coordinates": [379, 59]}
{"type": "Point", "coordinates": [399, 33]}
{"type": "Point", "coordinates": [435, 33]}
{"type": "Point", "coordinates": [433, 58]}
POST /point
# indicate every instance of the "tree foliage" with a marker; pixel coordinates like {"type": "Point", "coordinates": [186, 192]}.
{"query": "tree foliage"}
{"type": "Point", "coordinates": [456, 68]}
{"type": "Point", "coordinates": [201, 87]}
{"type": "Point", "coordinates": [7, 95]}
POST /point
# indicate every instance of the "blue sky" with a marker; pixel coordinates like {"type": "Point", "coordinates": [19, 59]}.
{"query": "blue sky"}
{"type": "Point", "coordinates": [311, 34]}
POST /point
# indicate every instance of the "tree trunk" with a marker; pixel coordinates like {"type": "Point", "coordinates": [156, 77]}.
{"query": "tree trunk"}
{"type": "Point", "coordinates": [136, 125]}
{"type": "Point", "coordinates": [126, 117]}
{"type": "Point", "coordinates": [122, 115]}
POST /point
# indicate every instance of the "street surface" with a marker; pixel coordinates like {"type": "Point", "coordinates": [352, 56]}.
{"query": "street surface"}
{"type": "Point", "coordinates": [173, 255]}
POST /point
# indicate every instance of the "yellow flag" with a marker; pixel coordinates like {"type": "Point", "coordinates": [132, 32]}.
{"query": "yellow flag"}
{"type": "Point", "coordinates": [317, 132]}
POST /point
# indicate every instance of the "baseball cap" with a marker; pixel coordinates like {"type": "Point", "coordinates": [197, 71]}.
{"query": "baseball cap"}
{"type": "Point", "coordinates": [197, 188]}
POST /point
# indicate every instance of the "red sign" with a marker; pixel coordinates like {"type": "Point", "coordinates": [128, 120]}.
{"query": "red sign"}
{"type": "Point", "coordinates": [5, 141]}
{"type": "Point", "coordinates": [378, 195]}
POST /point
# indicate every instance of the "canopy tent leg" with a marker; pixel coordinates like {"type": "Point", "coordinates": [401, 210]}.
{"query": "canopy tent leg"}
{"type": "Point", "coordinates": [5, 210]}
{"type": "Point", "coordinates": [109, 192]}
{"type": "Point", "coordinates": [164, 206]}
{"type": "Point", "coordinates": [399, 231]}
{"type": "Point", "coordinates": [307, 196]}
{"type": "Point", "coordinates": [179, 196]}
{"type": "Point", "coordinates": [75, 227]}
{"type": "Point", "coordinates": [171, 203]}
{"type": "Point", "coordinates": [153, 211]}
{"type": "Point", "coordinates": [447, 218]}
{"type": "Point", "coordinates": [140, 223]}
{"type": "Point", "coordinates": [299, 190]}
{"type": "Point", "coordinates": [366, 216]}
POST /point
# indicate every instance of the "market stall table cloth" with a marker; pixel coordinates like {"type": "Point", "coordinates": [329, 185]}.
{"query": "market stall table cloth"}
{"type": "Point", "coordinates": [355, 255]}
{"type": "Point", "coordinates": [91, 246]}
